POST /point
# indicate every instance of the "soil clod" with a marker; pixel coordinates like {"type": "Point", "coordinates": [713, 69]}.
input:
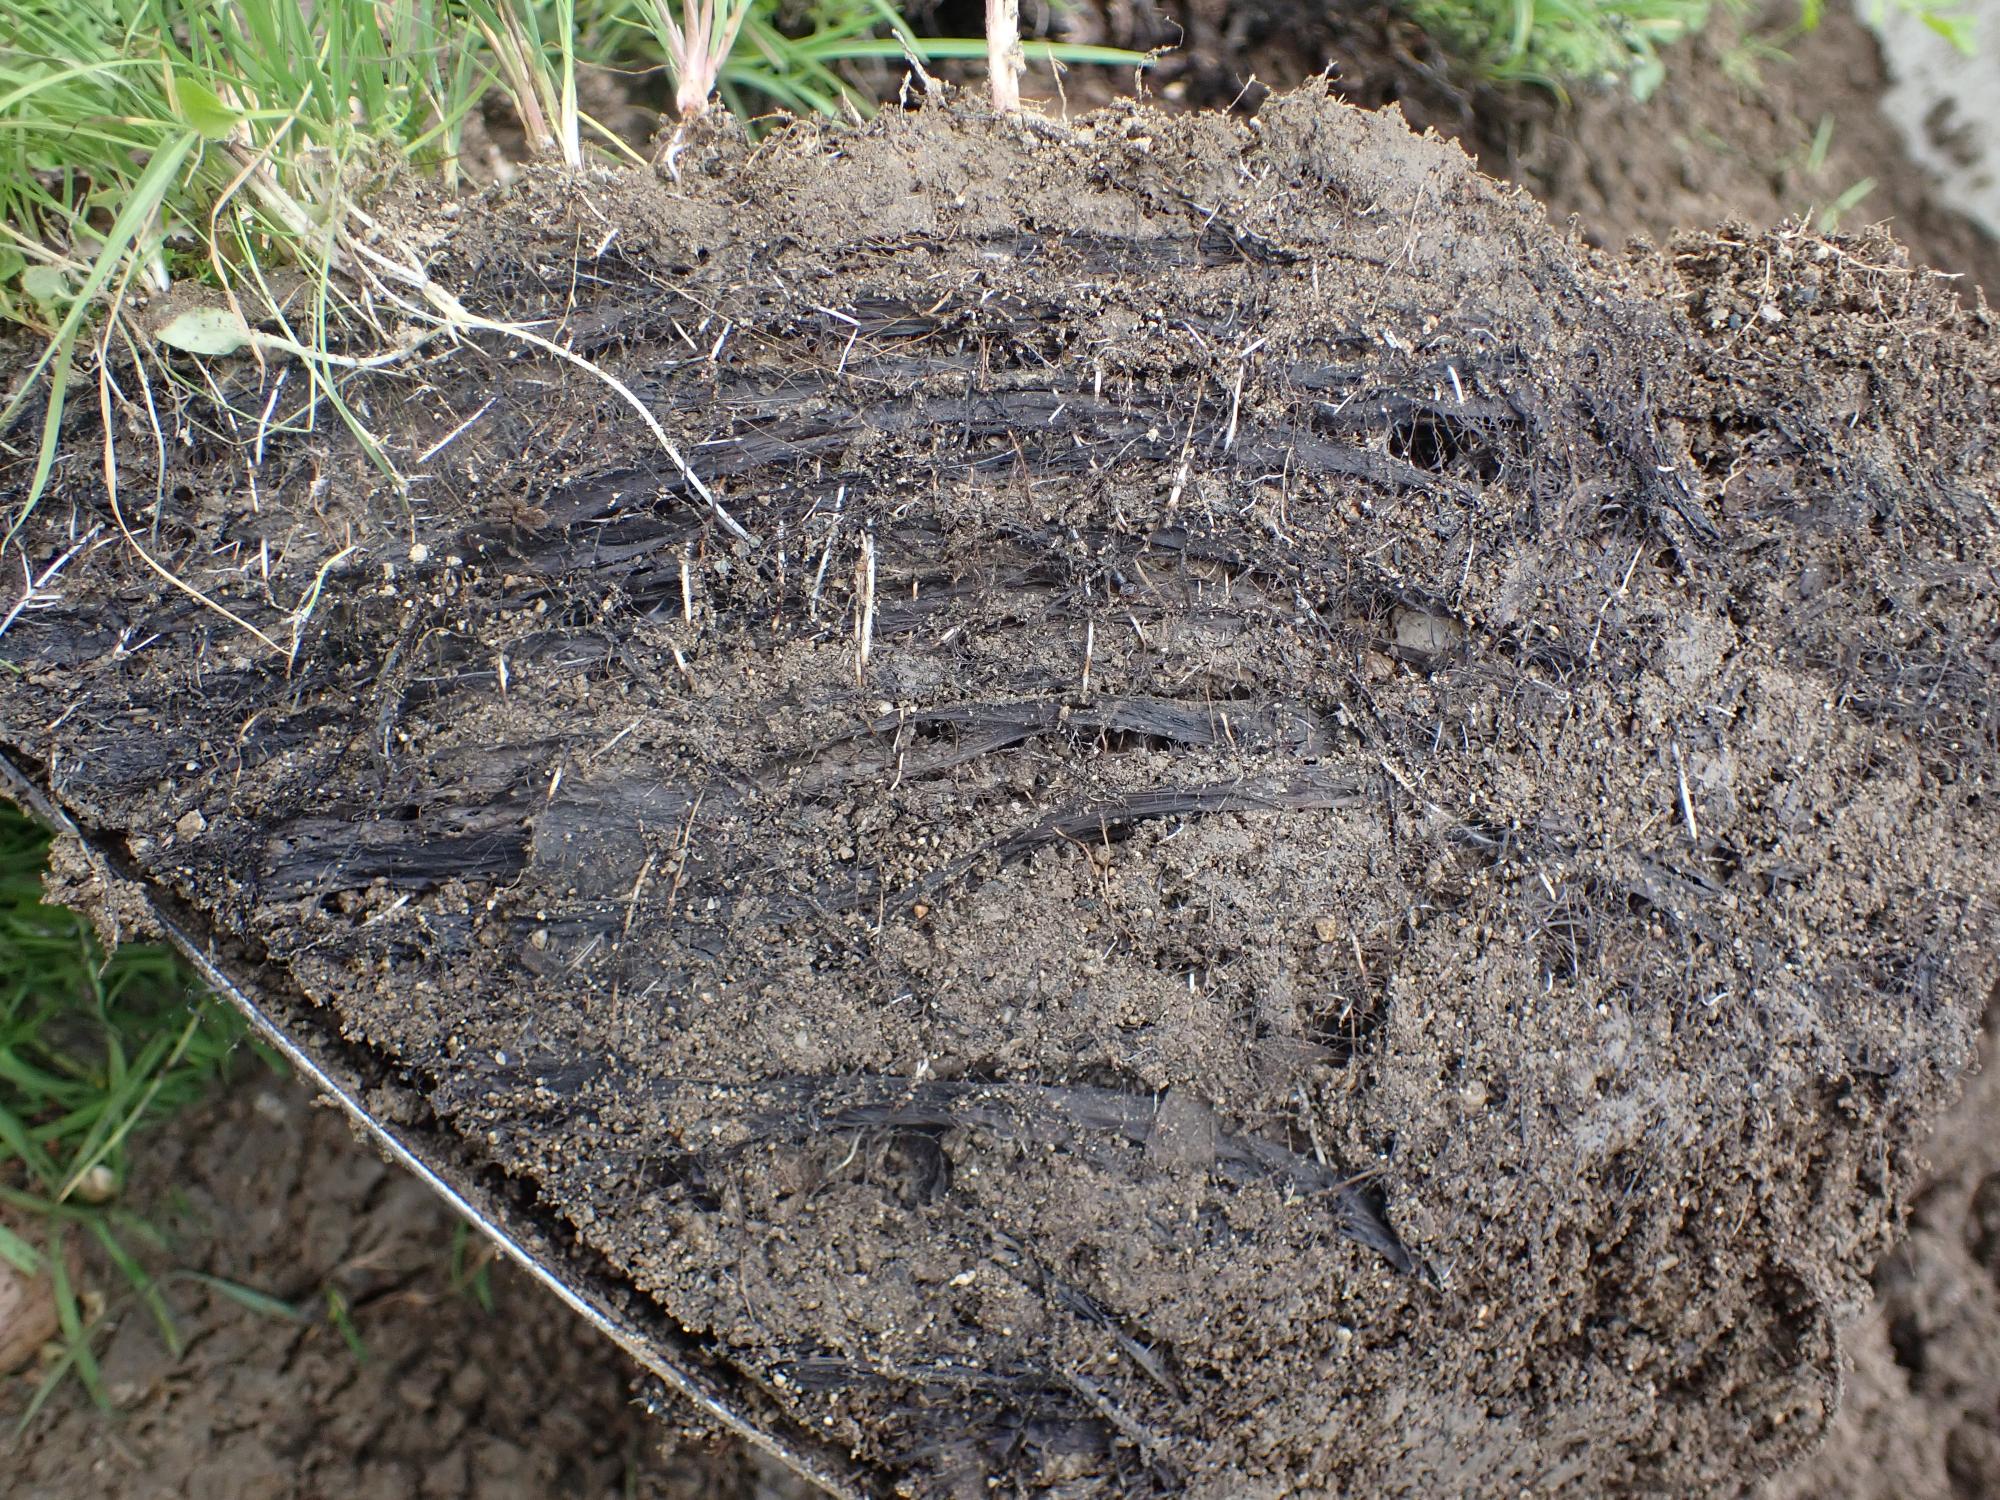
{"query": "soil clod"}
{"type": "Point", "coordinates": [1310, 839]}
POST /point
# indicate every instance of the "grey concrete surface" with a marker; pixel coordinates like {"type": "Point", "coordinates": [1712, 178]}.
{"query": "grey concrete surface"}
{"type": "Point", "coordinates": [1946, 103]}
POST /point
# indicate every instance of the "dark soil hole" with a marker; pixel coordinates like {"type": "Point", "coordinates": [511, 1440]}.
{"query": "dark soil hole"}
{"type": "Point", "coordinates": [1357, 976]}
{"type": "Point", "coordinates": [1907, 1341]}
{"type": "Point", "coordinates": [1436, 444]}
{"type": "Point", "coordinates": [1982, 1224]}
{"type": "Point", "coordinates": [1566, 933]}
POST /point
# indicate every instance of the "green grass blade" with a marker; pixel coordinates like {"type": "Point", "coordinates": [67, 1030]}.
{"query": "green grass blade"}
{"type": "Point", "coordinates": [147, 195]}
{"type": "Point", "coordinates": [262, 1303]}
{"type": "Point", "coordinates": [75, 1331]}
{"type": "Point", "coordinates": [338, 1314]}
{"type": "Point", "coordinates": [131, 1097]}
{"type": "Point", "coordinates": [938, 49]}
{"type": "Point", "coordinates": [144, 1286]}
{"type": "Point", "coordinates": [18, 1141]}
{"type": "Point", "coordinates": [18, 1253]}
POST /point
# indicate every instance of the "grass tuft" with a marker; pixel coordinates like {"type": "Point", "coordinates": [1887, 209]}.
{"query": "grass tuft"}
{"type": "Point", "coordinates": [149, 143]}
{"type": "Point", "coordinates": [94, 1051]}
{"type": "Point", "coordinates": [1564, 44]}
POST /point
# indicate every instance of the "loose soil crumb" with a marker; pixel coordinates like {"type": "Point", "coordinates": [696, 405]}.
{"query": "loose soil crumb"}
{"type": "Point", "coordinates": [1326, 841]}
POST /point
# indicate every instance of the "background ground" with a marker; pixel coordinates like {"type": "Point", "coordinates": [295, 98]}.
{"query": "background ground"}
{"type": "Point", "coordinates": [399, 1379]}
{"type": "Point", "coordinates": [405, 1376]}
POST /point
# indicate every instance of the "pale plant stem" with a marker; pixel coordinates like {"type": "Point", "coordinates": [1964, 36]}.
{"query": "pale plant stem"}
{"type": "Point", "coordinates": [36, 590]}
{"type": "Point", "coordinates": [448, 312]}
{"type": "Point", "coordinates": [1004, 58]}
{"type": "Point", "coordinates": [132, 540]}
{"type": "Point", "coordinates": [698, 43]}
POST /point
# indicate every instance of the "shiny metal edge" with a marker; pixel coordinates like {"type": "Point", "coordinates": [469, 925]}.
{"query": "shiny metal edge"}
{"type": "Point", "coordinates": [612, 1325]}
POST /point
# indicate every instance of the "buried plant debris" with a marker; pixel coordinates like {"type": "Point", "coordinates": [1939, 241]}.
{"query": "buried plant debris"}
{"type": "Point", "coordinates": [1313, 841]}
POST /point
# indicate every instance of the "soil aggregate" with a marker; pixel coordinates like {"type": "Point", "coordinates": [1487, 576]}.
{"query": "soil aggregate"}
{"type": "Point", "coordinates": [1322, 841]}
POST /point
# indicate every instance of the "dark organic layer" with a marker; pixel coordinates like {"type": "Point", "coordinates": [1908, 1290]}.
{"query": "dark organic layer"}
{"type": "Point", "coordinates": [1321, 844]}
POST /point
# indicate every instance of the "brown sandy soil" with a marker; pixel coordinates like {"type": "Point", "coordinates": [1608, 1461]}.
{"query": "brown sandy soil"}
{"type": "Point", "coordinates": [1708, 150]}
{"type": "Point", "coordinates": [1716, 143]}
{"type": "Point", "coordinates": [1920, 1412]}
{"type": "Point", "coordinates": [1921, 1416]}
{"type": "Point", "coordinates": [446, 1399]}
{"type": "Point", "coordinates": [1919, 1361]}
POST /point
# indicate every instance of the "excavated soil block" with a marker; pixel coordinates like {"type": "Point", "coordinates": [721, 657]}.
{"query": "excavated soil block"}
{"type": "Point", "coordinates": [1279, 833]}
